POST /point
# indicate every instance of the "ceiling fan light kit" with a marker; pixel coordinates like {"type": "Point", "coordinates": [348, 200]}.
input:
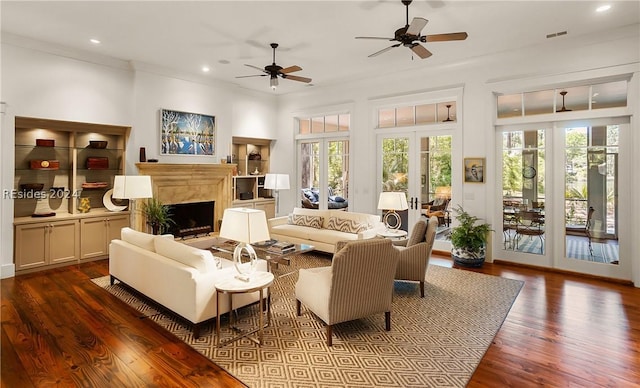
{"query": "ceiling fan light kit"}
{"type": "Point", "coordinates": [410, 36]}
{"type": "Point", "coordinates": [273, 71]}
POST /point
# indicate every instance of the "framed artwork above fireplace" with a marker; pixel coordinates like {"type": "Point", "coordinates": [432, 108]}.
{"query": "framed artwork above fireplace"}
{"type": "Point", "coordinates": [185, 133]}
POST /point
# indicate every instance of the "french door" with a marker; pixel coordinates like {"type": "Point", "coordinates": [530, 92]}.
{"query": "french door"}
{"type": "Point", "coordinates": [419, 165]}
{"type": "Point", "coordinates": [565, 196]}
{"type": "Point", "coordinates": [324, 173]}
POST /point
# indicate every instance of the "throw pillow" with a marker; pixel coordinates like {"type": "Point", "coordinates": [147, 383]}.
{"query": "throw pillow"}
{"type": "Point", "coordinates": [302, 220]}
{"type": "Point", "coordinates": [348, 226]}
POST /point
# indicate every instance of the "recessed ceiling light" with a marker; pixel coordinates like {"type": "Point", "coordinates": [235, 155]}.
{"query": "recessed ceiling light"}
{"type": "Point", "coordinates": [603, 8]}
{"type": "Point", "coordinates": [94, 41]}
{"type": "Point", "coordinates": [206, 69]}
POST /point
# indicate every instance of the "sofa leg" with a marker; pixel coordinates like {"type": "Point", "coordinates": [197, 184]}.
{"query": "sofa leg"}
{"type": "Point", "coordinates": [196, 330]}
{"type": "Point", "coordinates": [298, 307]}
{"type": "Point", "coordinates": [387, 320]}
{"type": "Point", "coordinates": [422, 289]}
{"type": "Point", "coordinates": [329, 336]}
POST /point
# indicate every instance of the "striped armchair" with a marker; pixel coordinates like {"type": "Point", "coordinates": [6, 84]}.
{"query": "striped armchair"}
{"type": "Point", "coordinates": [415, 252]}
{"type": "Point", "coordinates": [358, 283]}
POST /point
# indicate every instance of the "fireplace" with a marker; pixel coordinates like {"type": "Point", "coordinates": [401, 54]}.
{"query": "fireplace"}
{"type": "Point", "coordinates": [192, 219]}
{"type": "Point", "coordinates": [183, 184]}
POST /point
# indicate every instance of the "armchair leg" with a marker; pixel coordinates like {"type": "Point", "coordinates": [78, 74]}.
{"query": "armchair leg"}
{"type": "Point", "coordinates": [387, 320]}
{"type": "Point", "coordinates": [329, 336]}
{"type": "Point", "coordinates": [422, 289]}
{"type": "Point", "coordinates": [298, 307]}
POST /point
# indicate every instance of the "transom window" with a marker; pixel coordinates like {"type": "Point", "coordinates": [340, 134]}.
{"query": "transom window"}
{"type": "Point", "coordinates": [579, 98]}
{"type": "Point", "coordinates": [403, 116]}
{"type": "Point", "coordinates": [324, 124]}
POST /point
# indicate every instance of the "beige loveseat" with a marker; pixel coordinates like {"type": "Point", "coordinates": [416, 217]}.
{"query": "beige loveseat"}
{"type": "Point", "coordinates": [177, 276]}
{"type": "Point", "coordinates": [324, 228]}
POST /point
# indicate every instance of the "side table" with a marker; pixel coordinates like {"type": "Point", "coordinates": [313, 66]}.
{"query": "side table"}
{"type": "Point", "coordinates": [393, 234]}
{"type": "Point", "coordinates": [259, 281]}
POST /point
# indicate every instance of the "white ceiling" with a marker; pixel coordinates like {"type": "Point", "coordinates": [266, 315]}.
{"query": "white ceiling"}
{"type": "Point", "coordinates": [316, 35]}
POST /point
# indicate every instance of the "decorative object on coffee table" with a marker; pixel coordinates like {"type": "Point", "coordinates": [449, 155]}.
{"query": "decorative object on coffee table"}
{"type": "Point", "coordinates": [468, 239]}
{"type": "Point", "coordinates": [246, 226]}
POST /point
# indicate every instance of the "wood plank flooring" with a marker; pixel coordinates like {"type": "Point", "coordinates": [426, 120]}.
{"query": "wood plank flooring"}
{"type": "Point", "coordinates": [58, 329]}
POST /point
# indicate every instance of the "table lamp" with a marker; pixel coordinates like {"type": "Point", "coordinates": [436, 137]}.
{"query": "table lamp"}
{"type": "Point", "coordinates": [276, 182]}
{"type": "Point", "coordinates": [392, 201]}
{"type": "Point", "coordinates": [132, 187]}
{"type": "Point", "coordinates": [246, 226]}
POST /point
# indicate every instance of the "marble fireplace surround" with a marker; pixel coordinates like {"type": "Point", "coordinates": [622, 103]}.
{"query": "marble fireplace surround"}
{"type": "Point", "coordinates": [186, 183]}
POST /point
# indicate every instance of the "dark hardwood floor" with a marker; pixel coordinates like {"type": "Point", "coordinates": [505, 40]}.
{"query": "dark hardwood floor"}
{"type": "Point", "coordinates": [59, 329]}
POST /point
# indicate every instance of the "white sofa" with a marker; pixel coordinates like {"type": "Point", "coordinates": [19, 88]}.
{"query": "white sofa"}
{"type": "Point", "coordinates": [324, 228]}
{"type": "Point", "coordinates": [176, 276]}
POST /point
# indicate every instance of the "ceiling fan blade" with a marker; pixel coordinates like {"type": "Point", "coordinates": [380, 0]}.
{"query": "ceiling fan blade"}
{"type": "Point", "coordinates": [444, 37]}
{"type": "Point", "coordinates": [247, 76]}
{"type": "Point", "coordinates": [256, 67]}
{"type": "Point", "coordinates": [417, 24]}
{"type": "Point", "coordinates": [374, 37]}
{"type": "Point", "coordinates": [296, 78]}
{"type": "Point", "coordinates": [384, 50]}
{"type": "Point", "coordinates": [290, 69]}
{"type": "Point", "coordinates": [421, 51]}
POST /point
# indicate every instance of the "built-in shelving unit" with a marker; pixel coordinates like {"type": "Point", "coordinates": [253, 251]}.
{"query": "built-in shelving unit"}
{"type": "Point", "coordinates": [56, 164]}
{"type": "Point", "coordinates": [251, 156]}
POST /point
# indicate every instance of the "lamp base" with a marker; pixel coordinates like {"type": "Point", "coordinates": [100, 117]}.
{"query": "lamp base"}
{"type": "Point", "coordinates": [386, 220]}
{"type": "Point", "coordinates": [244, 269]}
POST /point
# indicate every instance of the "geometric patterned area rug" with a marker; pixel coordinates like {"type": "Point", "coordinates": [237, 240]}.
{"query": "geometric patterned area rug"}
{"type": "Point", "coordinates": [435, 341]}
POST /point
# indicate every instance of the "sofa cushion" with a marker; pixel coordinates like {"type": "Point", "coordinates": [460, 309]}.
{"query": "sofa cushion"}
{"type": "Point", "coordinates": [199, 259]}
{"type": "Point", "coordinates": [345, 225]}
{"type": "Point", "coordinates": [305, 220]}
{"type": "Point", "coordinates": [139, 239]}
{"type": "Point", "coordinates": [369, 219]}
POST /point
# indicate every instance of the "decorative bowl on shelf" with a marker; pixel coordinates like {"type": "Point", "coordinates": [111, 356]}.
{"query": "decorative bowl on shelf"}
{"type": "Point", "coordinates": [94, 185]}
{"type": "Point", "coordinates": [99, 144]}
{"type": "Point", "coordinates": [32, 186]}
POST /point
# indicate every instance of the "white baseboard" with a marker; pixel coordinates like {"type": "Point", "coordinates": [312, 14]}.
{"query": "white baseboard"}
{"type": "Point", "coordinates": [8, 271]}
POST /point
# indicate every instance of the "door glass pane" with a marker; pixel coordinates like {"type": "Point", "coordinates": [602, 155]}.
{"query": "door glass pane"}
{"type": "Point", "coordinates": [395, 169]}
{"type": "Point", "coordinates": [310, 173]}
{"type": "Point", "coordinates": [591, 189]}
{"type": "Point", "coordinates": [435, 185]}
{"type": "Point", "coordinates": [338, 174]}
{"type": "Point", "coordinates": [523, 191]}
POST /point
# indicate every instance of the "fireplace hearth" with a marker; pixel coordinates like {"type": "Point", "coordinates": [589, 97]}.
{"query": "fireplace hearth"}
{"type": "Point", "coordinates": [192, 219]}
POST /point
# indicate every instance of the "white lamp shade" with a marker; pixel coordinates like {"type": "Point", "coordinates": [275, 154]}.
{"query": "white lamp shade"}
{"type": "Point", "coordinates": [244, 225]}
{"type": "Point", "coordinates": [393, 200]}
{"type": "Point", "coordinates": [132, 186]}
{"type": "Point", "coordinates": [276, 181]}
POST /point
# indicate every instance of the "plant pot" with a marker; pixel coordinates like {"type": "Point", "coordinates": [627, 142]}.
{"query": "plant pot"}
{"type": "Point", "coordinates": [466, 258]}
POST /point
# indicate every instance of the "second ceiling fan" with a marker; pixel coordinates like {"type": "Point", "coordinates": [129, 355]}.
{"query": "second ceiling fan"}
{"type": "Point", "coordinates": [274, 71]}
{"type": "Point", "coordinates": [409, 36]}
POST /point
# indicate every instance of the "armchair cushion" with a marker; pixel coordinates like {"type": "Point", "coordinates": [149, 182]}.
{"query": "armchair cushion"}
{"type": "Point", "coordinates": [418, 232]}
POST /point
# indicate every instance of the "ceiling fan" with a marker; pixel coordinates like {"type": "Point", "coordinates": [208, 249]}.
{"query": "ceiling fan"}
{"type": "Point", "coordinates": [273, 71]}
{"type": "Point", "coordinates": [409, 36]}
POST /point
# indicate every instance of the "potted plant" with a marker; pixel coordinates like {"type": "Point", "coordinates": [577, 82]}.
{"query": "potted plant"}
{"type": "Point", "coordinates": [468, 239]}
{"type": "Point", "coordinates": [157, 215]}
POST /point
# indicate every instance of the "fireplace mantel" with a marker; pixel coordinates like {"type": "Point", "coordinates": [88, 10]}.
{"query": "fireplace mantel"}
{"type": "Point", "coordinates": [186, 183]}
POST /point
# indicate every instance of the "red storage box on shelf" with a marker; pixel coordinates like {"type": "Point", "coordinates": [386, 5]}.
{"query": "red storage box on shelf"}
{"type": "Point", "coordinates": [97, 163]}
{"type": "Point", "coordinates": [45, 142]}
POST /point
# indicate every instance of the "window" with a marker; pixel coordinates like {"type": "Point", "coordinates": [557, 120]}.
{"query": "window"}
{"type": "Point", "coordinates": [409, 115]}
